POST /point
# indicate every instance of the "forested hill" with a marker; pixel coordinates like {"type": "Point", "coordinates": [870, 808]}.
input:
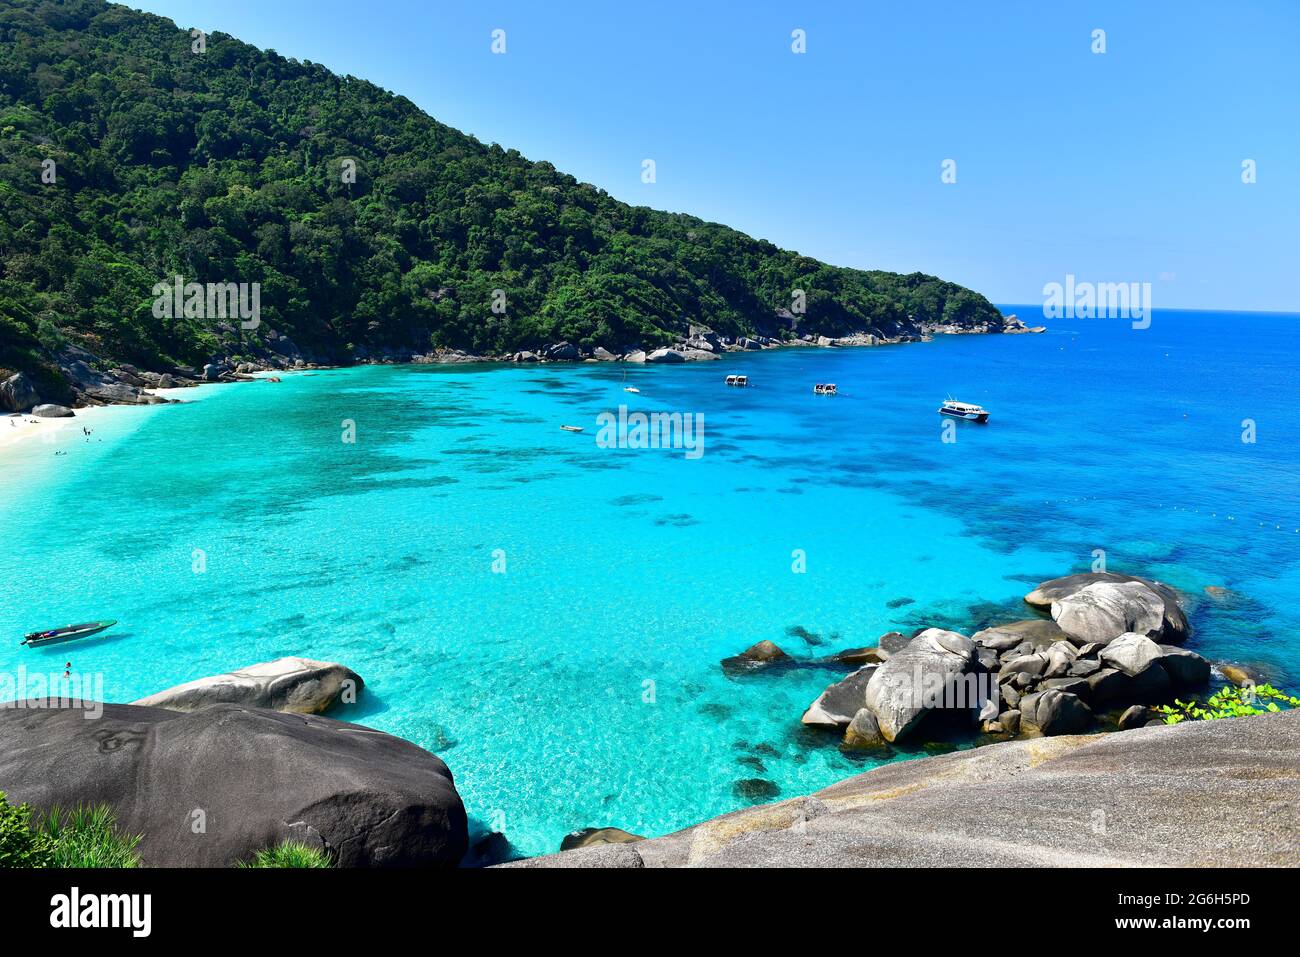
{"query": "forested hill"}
{"type": "Point", "coordinates": [228, 166]}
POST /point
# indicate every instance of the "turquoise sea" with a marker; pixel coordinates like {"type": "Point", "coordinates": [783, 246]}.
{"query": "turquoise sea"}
{"type": "Point", "coordinates": [581, 686]}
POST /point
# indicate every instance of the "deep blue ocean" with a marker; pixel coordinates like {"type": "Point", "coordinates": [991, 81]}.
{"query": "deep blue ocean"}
{"type": "Point", "coordinates": [581, 686]}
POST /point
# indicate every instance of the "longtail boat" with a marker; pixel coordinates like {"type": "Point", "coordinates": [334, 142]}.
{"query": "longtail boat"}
{"type": "Point", "coordinates": [56, 636]}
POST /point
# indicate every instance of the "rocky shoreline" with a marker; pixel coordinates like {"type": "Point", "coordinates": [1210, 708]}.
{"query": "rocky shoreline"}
{"type": "Point", "coordinates": [1203, 794]}
{"type": "Point", "coordinates": [1110, 650]}
{"type": "Point", "coordinates": [93, 382]}
{"type": "Point", "coordinates": [1104, 654]}
{"type": "Point", "coordinates": [1021, 692]}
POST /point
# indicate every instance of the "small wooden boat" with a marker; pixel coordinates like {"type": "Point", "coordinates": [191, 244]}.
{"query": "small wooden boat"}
{"type": "Point", "coordinates": [571, 428]}
{"type": "Point", "coordinates": [67, 633]}
{"type": "Point", "coordinates": [825, 388]}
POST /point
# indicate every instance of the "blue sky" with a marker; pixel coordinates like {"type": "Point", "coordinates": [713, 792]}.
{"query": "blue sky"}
{"type": "Point", "coordinates": [1115, 167]}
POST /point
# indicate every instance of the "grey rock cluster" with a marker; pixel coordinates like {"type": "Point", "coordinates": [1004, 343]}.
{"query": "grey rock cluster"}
{"type": "Point", "coordinates": [1110, 647]}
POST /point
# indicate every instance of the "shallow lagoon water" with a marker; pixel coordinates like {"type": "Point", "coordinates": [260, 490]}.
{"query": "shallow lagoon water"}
{"type": "Point", "coordinates": [581, 687]}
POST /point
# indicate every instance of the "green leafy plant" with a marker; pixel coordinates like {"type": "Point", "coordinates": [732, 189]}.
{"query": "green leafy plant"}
{"type": "Point", "coordinates": [87, 837]}
{"type": "Point", "coordinates": [1230, 702]}
{"type": "Point", "coordinates": [20, 845]}
{"type": "Point", "coordinates": [82, 837]}
{"type": "Point", "coordinates": [289, 854]}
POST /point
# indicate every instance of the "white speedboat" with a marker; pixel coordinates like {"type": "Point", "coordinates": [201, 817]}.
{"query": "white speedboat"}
{"type": "Point", "coordinates": [964, 410]}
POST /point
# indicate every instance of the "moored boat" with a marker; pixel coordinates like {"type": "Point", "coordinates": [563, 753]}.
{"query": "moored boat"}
{"type": "Point", "coordinates": [741, 381]}
{"type": "Point", "coordinates": [571, 428]}
{"type": "Point", "coordinates": [964, 410]}
{"type": "Point", "coordinates": [825, 388]}
{"type": "Point", "coordinates": [55, 636]}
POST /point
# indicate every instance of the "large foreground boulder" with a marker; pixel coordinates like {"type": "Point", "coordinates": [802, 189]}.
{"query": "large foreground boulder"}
{"type": "Point", "coordinates": [296, 685]}
{"type": "Point", "coordinates": [210, 788]}
{"type": "Point", "coordinates": [918, 678]}
{"type": "Point", "coordinates": [1175, 628]}
{"type": "Point", "coordinates": [1192, 795]}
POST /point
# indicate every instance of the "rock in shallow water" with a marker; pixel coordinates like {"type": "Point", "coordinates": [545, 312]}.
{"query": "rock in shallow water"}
{"type": "Point", "coordinates": [756, 789]}
{"type": "Point", "coordinates": [858, 656]}
{"type": "Point", "coordinates": [258, 777]}
{"type": "Point", "coordinates": [1104, 611]}
{"type": "Point", "coordinates": [837, 705]}
{"type": "Point", "coordinates": [1174, 628]}
{"type": "Point", "coordinates": [1239, 675]}
{"type": "Point", "coordinates": [297, 685]}
{"type": "Point", "coordinates": [594, 836]}
{"type": "Point", "coordinates": [912, 681]}
{"type": "Point", "coordinates": [755, 656]}
{"type": "Point", "coordinates": [863, 733]}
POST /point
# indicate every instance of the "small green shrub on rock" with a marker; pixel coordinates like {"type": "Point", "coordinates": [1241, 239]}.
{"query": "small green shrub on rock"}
{"type": "Point", "coordinates": [20, 846]}
{"type": "Point", "coordinates": [1231, 702]}
{"type": "Point", "coordinates": [289, 854]}
{"type": "Point", "coordinates": [83, 837]}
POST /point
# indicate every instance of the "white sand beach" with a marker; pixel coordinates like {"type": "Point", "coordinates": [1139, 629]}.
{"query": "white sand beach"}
{"type": "Point", "coordinates": [25, 427]}
{"type": "Point", "coordinates": [18, 429]}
